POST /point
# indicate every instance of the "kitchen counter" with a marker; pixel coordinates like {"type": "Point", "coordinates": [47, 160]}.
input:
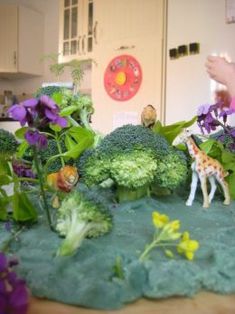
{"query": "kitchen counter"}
{"type": "Point", "coordinates": [202, 303]}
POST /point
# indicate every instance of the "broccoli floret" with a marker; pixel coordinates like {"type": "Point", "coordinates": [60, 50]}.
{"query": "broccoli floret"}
{"type": "Point", "coordinates": [133, 169]}
{"type": "Point", "coordinates": [133, 172]}
{"type": "Point", "coordinates": [133, 137]}
{"type": "Point", "coordinates": [93, 168]}
{"type": "Point", "coordinates": [8, 143]}
{"type": "Point", "coordinates": [79, 217]}
{"type": "Point", "coordinates": [172, 170]}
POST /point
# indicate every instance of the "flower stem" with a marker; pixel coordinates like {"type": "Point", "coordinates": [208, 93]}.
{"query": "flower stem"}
{"type": "Point", "coordinates": [147, 250]}
{"type": "Point", "coordinates": [59, 149]}
{"type": "Point", "coordinates": [5, 245]}
{"type": "Point", "coordinates": [40, 178]}
{"type": "Point", "coordinates": [154, 244]}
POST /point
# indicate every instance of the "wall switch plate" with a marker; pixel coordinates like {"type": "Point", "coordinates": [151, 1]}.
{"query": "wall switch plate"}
{"type": "Point", "coordinates": [194, 48]}
{"type": "Point", "coordinates": [182, 50]}
{"type": "Point", "coordinates": [173, 53]}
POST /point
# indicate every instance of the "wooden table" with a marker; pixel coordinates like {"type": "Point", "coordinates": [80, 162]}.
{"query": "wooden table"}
{"type": "Point", "coordinates": [203, 303]}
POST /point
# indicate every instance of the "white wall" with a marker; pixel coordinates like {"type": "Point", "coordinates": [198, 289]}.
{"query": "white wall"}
{"type": "Point", "coordinates": [188, 84]}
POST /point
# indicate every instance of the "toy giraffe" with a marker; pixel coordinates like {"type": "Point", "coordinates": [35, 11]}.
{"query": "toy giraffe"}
{"type": "Point", "coordinates": [203, 168]}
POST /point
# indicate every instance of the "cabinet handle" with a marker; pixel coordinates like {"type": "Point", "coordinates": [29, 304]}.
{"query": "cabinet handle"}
{"type": "Point", "coordinates": [83, 44]}
{"type": "Point", "coordinates": [95, 32]}
{"type": "Point", "coordinates": [15, 58]}
{"type": "Point", "coordinates": [78, 45]}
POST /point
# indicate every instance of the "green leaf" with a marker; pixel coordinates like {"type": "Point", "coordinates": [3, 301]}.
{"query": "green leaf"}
{"type": "Point", "coordinates": [22, 149]}
{"type": "Point", "coordinates": [157, 127]}
{"type": "Point", "coordinates": [84, 142]}
{"type": "Point", "coordinates": [58, 98]}
{"type": "Point", "coordinates": [5, 179]}
{"type": "Point", "coordinates": [231, 183]}
{"type": "Point", "coordinates": [4, 167]}
{"type": "Point", "coordinates": [78, 132]}
{"type": "Point", "coordinates": [3, 208]}
{"type": "Point", "coordinates": [20, 133]}
{"type": "Point", "coordinates": [67, 111]}
{"type": "Point", "coordinates": [55, 127]}
{"type": "Point", "coordinates": [207, 145]}
{"type": "Point", "coordinates": [69, 142]}
{"type": "Point", "coordinates": [171, 131]}
{"type": "Point", "coordinates": [23, 209]}
{"type": "Point", "coordinates": [228, 157]}
{"type": "Point", "coordinates": [229, 166]}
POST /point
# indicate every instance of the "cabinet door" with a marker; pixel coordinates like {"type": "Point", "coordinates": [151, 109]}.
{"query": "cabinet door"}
{"type": "Point", "coordinates": [8, 38]}
{"type": "Point", "coordinates": [70, 29]}
{"type": "Point", "coordinates": [76, 29]}
{"type": "Point", "coordinates": [89, 28]}
{"type": "Point", "coordinates": [30, 49]}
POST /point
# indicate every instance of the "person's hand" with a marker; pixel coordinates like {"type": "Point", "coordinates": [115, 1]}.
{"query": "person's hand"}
{"type": "Point", "coordinates": [220, 70]}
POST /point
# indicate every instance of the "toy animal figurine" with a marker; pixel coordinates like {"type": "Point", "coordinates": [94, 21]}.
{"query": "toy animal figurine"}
{"type": "Point", "coordinates": [148, 116]}
{"type": "Point", "coordinates": [63, 180]}
{"type": "Point", "coordinates": [203, 168]}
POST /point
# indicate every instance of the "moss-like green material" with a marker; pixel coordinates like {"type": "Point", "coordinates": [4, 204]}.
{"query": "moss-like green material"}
{"type": "Point", "coordinates": [88, 278]}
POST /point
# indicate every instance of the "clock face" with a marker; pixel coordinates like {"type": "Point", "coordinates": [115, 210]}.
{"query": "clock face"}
{"type": "Point", "coordinates": [122, 78]}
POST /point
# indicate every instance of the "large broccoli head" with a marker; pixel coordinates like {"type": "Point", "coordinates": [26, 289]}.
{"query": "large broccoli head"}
{"type": "Point", "coordinates": [133, 158]}
{"type": "Point", "coordinates": [81, 216]}
{"type": "Point", "coordinates": [172, 170]}
{"type": "Point", "coordinates": [8, 143]}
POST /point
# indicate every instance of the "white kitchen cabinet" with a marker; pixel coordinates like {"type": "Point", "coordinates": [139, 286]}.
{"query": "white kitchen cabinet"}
{"type": "Point", "coordinates": [77, 29]}
{"type": "Point", "coordinates": [21, 41]}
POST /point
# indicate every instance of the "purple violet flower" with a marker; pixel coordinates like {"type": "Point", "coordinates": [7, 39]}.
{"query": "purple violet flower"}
{"type": "Point", "coordinates": [203, 109]}
{"type": "Point", "coordinates": [34, 138]}
{"type": "Point", "coordinates": [22, 170]}
{"type": "Point", "coordinates": [13, 292]}
{"type": "Point", "coordinates": [37, 113]}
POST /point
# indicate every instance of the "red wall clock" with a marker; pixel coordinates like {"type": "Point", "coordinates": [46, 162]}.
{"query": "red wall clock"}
{"type": "Point", "coordinates": [122, 77]}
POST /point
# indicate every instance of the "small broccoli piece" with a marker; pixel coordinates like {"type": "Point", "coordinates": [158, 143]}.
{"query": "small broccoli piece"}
{"type": "Point", "coordinates": [8, 143]}
{"type": "Point", "coordinates": [172, 170]}
{"type": "Point", "coordinates": [79, 217]}
{"type": "Point", "coordinates": [49, 91]}
{"type": "Point", "coordinates": [93, 168]}
{"type": "Point", "coordinates": [52, 150]}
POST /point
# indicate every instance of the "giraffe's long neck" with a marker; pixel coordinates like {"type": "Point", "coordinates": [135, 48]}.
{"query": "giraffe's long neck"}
{"type": "Point", "coordinates": [192, 147]}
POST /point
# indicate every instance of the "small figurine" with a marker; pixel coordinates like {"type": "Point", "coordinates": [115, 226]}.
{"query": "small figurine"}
{"type": "Point", "coordinates": [203, 168]}
{"type": "Point", "coordinates": [148, 116]}
{"type": "Point", "coordinates": [63, 180]}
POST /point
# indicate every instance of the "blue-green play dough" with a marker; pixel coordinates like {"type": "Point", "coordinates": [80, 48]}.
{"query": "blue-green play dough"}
{"type": "Point", "coordinates": [88, 278]}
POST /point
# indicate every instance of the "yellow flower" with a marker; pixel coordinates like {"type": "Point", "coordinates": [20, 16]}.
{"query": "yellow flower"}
{"type": "Point", "coordinates": [175, 225]}
{"type": "Point", "coordinates": [159, 220]}
{"type": "Point", "coordinates": [187, 246]}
